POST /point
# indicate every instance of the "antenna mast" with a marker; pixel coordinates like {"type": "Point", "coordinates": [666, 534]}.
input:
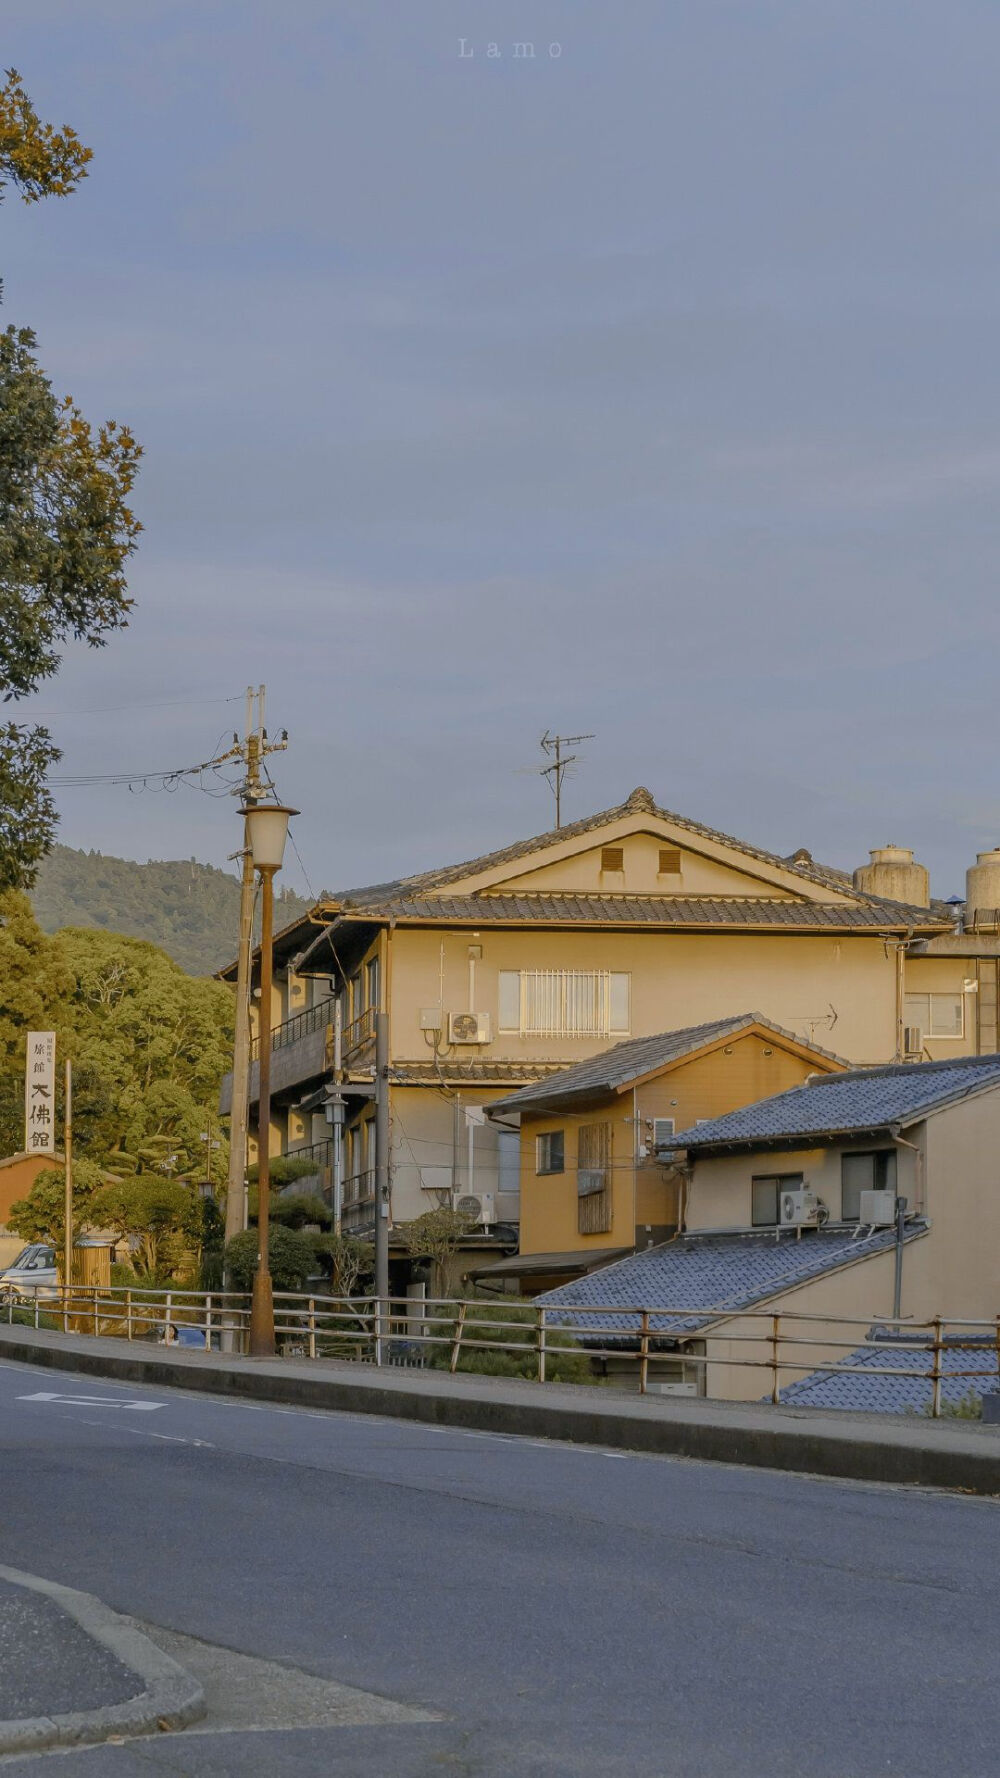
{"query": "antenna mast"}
{"type": "Point", "coordinates": [555, 772]}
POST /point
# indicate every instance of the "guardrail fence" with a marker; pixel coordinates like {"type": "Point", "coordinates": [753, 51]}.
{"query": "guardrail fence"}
{"type": "Point", "coordinates": [565, 1343]}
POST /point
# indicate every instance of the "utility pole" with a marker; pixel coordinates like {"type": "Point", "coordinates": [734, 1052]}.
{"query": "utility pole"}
{"type": "Point", "coordinates": [68, 1157]}
{"type": "Point", "coordinates": [381, 1181]}
{"type": "Point", "coordinates": [555, 772]}
{"type": "Point", "coordinates": [251, 750]}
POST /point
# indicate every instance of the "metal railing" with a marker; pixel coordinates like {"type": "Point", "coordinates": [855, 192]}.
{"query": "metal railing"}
{"type": "Point", "coordinates": [357, 1036]}
{"type": "Point", "coordinates": [564, 1342]}
{"type": "Point", "coordinates": [315, 1018]}
{"type": "Point", "coordinates": [357, 1208]}
{"type": "Point", "coordinates": [319, 1152]}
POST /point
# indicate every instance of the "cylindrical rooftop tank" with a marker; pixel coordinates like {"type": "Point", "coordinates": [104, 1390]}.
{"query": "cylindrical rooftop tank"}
{"type": "Point", "coordinates": [982, 889]}
{"type": "Point", "coordinates": [894, 874]}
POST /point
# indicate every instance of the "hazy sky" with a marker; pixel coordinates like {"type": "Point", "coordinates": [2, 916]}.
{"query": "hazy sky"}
{"type": "Point", "coordinates": [649, 386]}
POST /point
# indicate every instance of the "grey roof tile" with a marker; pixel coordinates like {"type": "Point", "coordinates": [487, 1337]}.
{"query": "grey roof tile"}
{"type": "Point", "coordinates": [841, 1104]}
{"type": "Point", "coordinates": [639, 1056]}
{"type": "Point", "coordinates": [705, 1276]}
{"type": "Point", "coordinates": [855, 1384]}
{"type": "Point", "coordinates": [755, 913]}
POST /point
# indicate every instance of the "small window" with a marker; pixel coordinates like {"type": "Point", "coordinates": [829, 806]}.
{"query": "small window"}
{"type": "Point", "coordinates": [872, 1172]}
{"type": "Point", "coordinates": [371, 983]}
{"type": "Point", "coordinates": [936, 1015]}
{"type": "Point", "coordinates": [670, 862]}
{"type": "Point", "coordinates": [765, 1196]}
{"type": "Point", "coordinates": [613, 858]}
{"type": "Point", "coordinates": [663, 1133]}
{"type": "Point", "coordinates": [510, 1000]}
{"type": "Point", "coordinates": [550, 1152]}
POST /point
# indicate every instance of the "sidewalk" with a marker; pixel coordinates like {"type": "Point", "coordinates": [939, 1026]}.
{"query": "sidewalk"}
{"type": "Point", "coordinates": [863, 1447]}
{"type": "Point", "coordinates": [72, 1672]}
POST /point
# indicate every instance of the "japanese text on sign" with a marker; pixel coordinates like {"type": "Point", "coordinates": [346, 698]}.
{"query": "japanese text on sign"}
{"type": "Point", "coordinates": [40, 1093]}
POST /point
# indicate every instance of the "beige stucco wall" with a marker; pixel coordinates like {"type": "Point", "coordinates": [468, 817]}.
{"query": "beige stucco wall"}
{"type": "Point", "coordinates": [945, 975]}
{"type": "Point", "coordinates": [423, 1148]}
{"type": "Point", "coordinates": [641, 874]}
{"type": "Point", "coordinates": [677, 979]}
{"type": "Point", "coordinates": [720, 1192]}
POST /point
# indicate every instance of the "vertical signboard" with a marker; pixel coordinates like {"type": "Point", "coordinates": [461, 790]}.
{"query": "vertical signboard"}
{"type": "Point", "coordinates": [40, 1093]}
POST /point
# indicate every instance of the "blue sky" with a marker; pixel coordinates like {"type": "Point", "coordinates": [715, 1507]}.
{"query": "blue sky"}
{"type": "Point", "coordinates": [648, 388]}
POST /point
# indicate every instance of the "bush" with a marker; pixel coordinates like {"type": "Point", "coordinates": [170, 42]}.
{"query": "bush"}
{"type": "Point", "coordinates": [564, 1362]}
{"type": "Point", "coordinates": [295, 1209]}
{"type": "Point", "coordinates": [292, 1258]}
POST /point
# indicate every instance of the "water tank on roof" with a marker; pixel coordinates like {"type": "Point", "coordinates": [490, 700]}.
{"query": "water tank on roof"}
{"type": "Point", "coordinates": [894, 874]}
{"type": "Point", "coordinates": [982, 891]}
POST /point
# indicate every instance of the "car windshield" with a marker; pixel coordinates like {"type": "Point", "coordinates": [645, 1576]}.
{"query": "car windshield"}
{"type": "Point", "coordinates": [33, 1259]}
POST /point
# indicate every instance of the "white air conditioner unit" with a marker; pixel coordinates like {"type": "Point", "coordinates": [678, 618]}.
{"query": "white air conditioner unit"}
{"type": "Point", "coordinates": [482, 1206]}
{"type": "Point", "coordinates": [798, 1209]}
{"type": "Point", "coordinates": [878, 1209]}
{"type": "Point", "coordinates": [913, 1041]}
{"type": "Point", "coordinates": [468, 1027]}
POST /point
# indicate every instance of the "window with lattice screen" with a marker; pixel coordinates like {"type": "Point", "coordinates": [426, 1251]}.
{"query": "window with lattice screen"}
{"type": "Point", "coordinates": [670, 861]}
{"type": "Point", "coordinates": [593, 1178]}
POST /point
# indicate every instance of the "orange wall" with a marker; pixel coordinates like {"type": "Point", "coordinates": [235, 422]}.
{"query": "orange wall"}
{"type": "Point", "coordinates": [18, 1176]}
{"type": "Point", "coordinates": [645, 1191]}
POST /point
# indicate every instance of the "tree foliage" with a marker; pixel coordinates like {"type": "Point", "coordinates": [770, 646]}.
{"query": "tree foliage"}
{"type": "Point", "coordinates": [66, 528]}
{"type": "Point", "coordinates": [41, 1215]}
{"type": "Point", "coordinates": [436, 1236]}
{"type": "Point", "coordinates": [189, 910]}
{"type": "Point", "coordinates": [157, 1216]}
{"type": "Point", "coordinates": [292, 1257]}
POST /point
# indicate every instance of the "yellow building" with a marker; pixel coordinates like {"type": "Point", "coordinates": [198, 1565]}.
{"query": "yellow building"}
{"type": "Point", "coordinates": [597, 1141]}
{"type": "Point", "coordinates": [516, 965]}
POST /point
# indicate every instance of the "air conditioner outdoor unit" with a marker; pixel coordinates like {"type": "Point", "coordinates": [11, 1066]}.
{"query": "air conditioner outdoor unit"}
{"type": "Point", "coordinates": [482, 1206]}
{"type": "Point", "coordinates": [878, 1210]}
{"type": "Point", "coordinates": [913, 1041]}
{"type": "Point", "coordinates": [468, 1027]}
{"type": "Point", "coordinates": [798, 1209]}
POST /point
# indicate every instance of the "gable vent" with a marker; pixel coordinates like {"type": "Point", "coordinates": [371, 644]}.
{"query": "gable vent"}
{"type": "Point", "coordinates": [612, 858]}
{"type": "Point", "coordinates": [670, 862]}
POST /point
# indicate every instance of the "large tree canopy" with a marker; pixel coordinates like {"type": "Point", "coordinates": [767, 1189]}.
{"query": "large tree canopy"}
{"type": "Point", "coordinates": [149, 1045]}
{"type": "Point", "coordinates": [66, 529]}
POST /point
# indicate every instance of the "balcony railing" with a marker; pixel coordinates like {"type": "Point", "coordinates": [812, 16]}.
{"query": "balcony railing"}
{"type": "Point", "coordinates": [319, 1152]}
{"type": "Point", "coordinates": [313, 1019]}
{"type": "Point", "coordinates": [357, 1210]}
{"type": "Point", "coordinates": [358, 1034]}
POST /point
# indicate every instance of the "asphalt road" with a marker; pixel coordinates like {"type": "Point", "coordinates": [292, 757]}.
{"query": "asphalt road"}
{"type": "Point", "coordinates": [561, 1611]}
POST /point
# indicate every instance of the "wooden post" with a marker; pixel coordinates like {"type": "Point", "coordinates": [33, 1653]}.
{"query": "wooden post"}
{"type": "Point", "coordinates": [644, 1352]}
{"type": "Point", "coordinates": [775, 1344]}
{"type": "Point", "coordinates": [128, 1314]}
{"type": "Point", "coordinates": [540, 1312]}
{"type": "Point", "coordinates": [312, 1327]}
{"type": "Point", "coordinates": [456, 1343]}
{"type": "Point", "coordinates": [936, 1371]}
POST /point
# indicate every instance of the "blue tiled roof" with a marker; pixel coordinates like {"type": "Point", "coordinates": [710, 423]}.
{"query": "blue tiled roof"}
{"type": "Point", "coordinates": [844, 1104]}
{"type": "Point", "coordinates": [854, 1382]}
{"type": "Point", "coordinates": [709, 1276]}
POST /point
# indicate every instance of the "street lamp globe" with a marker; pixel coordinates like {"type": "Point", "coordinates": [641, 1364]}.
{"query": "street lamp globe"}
{"type": "Point", "coordinates": [267, 830]}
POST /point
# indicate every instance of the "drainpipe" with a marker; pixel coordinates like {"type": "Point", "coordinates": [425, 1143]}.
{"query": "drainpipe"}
{"type": "Point", "coordinates": [901, 1204]}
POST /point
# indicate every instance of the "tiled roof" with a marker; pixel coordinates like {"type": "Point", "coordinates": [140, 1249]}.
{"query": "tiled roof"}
{"type": "Point", "coordinates": [640, 1056]}
{"type": "Point", "coordinates": [708, 1276]}
{"type": "Point", "coordinates": [379, 896]}
{"type": "Point", "coordinates": [842, 1104]}
{"type": "Point", "coordinates": [854, 1382]}
{"type": "Point", "coordinates": [501, 1072]}
{"type": "Point", "coordinates": [756, 913]}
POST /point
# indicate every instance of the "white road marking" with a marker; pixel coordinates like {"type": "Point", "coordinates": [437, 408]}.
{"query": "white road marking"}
{"type": "Point", "coordinates": [93, 1401]}
{"type": "Point", "coordinates": [147, 1432]}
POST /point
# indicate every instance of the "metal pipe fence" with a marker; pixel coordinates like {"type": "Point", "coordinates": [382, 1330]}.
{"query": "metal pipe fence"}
{"type": "Point", "coordinates": [566, 1343]}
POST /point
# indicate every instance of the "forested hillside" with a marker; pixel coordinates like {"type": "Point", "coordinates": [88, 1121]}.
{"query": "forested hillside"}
{"type": "Point", "coordinates": [190, 910]}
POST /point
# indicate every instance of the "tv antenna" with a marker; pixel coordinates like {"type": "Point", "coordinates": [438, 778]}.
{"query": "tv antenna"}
{"type": "Point", "coordinates": [555, 772]}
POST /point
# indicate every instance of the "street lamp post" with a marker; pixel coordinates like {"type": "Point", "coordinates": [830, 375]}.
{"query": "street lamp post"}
{"type": "Point", "coordinates": [267, 830]}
